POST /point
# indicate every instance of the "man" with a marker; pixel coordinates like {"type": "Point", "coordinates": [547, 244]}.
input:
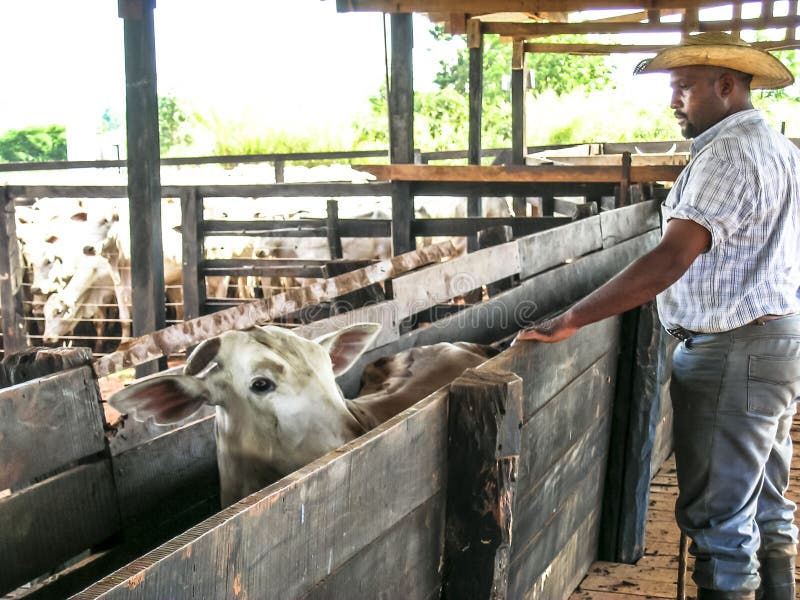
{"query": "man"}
{"type": "Point", "coordinates": [726, 274]}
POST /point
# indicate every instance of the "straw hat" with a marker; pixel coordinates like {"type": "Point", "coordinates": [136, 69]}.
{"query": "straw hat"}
{"type": "Point", "coordinates": [719, 49]}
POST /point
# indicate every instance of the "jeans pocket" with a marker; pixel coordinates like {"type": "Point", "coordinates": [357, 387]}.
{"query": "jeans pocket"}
{"type": "Point", "coordinates": [772, 384]}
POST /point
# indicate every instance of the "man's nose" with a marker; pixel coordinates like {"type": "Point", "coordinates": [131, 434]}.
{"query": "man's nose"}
{"type": "Point", "coordinates": [675, 101]}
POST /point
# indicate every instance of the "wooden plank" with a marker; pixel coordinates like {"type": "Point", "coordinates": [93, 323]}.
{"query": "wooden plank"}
{"type": "Point", "coordinates": [485, 415]}
{"type": "Point", "coordinates": [495, 6]}
{"type": "Point", "coordinates": [279, 542]}
{"type": "Point", "coordinates": [180, 336]}
{"type": "Point", "coordinates": [560, 361]}
{"type": "Point", "coordinates": [561, 422]}
{"type": "Point", "coordinates": [628, 222]}
{"type": "Point", "coordinates": [386, 313]}
{"type": "Point", "coordinates": [461, 226]}
{"type": "Point", "coordinates": [580, 470]}
{"type": "Point", "coordinates": [11, 300]}
{"type": "Point", "coordinates": [543, 173]}
{"type": "Point", "coordinates": [295, 190]}
{"type": "Point", "coordinates": [568, 567]}
{"type": "Point", "coordinates": [531, 30]}
{"type": "Point", "coordinates": [512, 188]}
{"type": "Point", "coordinates": [299, 228]}
{"type": "Point", "coordinates": [149, 474]}
{"type": "Point", "coordinates": [33, 363]}
{"type": "Point", "coordinates": [413, 549]}
{"type": "Point", "coordinates": [424, 288]}
{"type": "Point", "coordinates": [534, 560]}
{"type": "Point", "coordinates": [52, 521]}
{"type": "Point", "coordinates": [48, 423]}
{"type": "Point", "coordinates": [542, 251]}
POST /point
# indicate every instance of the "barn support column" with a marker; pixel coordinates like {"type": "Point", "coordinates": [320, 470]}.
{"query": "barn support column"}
{"type": "Point", "coordinates": [14, 337]}
{"type": "Point", "coordinates": [519, 147]}
{"type": "Point", "coordinates": [144, 177]}
{"type": "Point", "coordinates": [475, 43]}
{"type": "Point", "coordinates": [401, 128]}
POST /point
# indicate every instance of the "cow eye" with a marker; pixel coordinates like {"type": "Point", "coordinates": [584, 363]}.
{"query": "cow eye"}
{"type": "Point", "coordinates": [262, 385]}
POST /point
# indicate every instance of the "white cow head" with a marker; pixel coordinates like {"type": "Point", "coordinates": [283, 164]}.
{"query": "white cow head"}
{"type": "Point", "coordinates": [278, 405]}
{"type": "Point", "coordinates": [91, 287]}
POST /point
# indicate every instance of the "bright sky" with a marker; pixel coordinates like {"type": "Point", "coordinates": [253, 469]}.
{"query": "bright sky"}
{"type": "Point", "coordinates": [63, 61]}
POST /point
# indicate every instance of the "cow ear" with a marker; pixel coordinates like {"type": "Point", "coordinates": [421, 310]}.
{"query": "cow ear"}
{"type": "Point", "coordinates": [347, 345]}
{"type": "Point", "coordinates": [166, 399]}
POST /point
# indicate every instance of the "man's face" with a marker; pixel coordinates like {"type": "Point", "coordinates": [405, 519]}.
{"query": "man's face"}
{"type": "Point", "coordinates": [696, 99]}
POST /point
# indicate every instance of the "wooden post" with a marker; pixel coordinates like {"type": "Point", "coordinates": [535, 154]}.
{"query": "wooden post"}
{"type": "Point", "coordinates": [144, 178]}
{"type": "Point", "coordinates": [519, 144]}
{"type": "Point", "coordinates": [494, 236]}
{"type": "Point", "coordinates": [13, 312]}
{"type": "Point", "coordinates": [332, 230]}
{"type": "Point", "coordinates": [401, 128]}
{"type": "Point", "coordinates": [279, 169]}
{"type": "Point", "coordinates": [644, 360]}
{"type": "Point", "coordinates": [475, 42]}
{"type": "Point", "coordinates": [194, 281]}
{"type": "Point", "coordinates": [625, 181]}
{"type": "Point", "coordinates": [484, 422]}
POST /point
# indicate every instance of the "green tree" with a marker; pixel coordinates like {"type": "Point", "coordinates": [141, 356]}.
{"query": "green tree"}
{"type": "Point", "coordinates": [34, 144]}
{"type": "Point", "coordinates": [441, 117]}
{"type": "Point", "coordinates": [172, 124]}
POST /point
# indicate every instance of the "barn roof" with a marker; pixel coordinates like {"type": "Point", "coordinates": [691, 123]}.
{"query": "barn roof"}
{"type": "Point", "coordinates": [529, 20]}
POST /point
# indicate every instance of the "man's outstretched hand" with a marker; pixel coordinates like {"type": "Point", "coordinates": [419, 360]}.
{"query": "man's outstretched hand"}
{"type": "Point", "coordinates": [549, 331]}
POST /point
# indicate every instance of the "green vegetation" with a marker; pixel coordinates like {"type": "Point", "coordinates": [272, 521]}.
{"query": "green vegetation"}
{"type": "Point", "coordinates": [34, 144]}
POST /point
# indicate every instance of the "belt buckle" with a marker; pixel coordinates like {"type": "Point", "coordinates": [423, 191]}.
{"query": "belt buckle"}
{"type": "Point", "coordinates": [679, 333]}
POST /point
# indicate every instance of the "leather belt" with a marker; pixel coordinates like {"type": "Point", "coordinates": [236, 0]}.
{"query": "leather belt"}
{"type": "Point", "coordinates": [682, 334]}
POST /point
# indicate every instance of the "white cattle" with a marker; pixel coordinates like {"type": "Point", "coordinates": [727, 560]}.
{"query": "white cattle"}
{"type": "Point", "coordinates": [278, 406]}
{"type": "Point", "coordinates": [91, 290]}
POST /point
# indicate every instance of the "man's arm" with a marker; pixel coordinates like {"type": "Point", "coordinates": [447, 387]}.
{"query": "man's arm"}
{"type": "Point", "coordinates": [641, 281]}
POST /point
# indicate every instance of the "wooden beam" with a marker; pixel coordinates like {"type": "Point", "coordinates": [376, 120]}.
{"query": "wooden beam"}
{"type": "Point", "coordinates": [194, 282]}
{"type": "Point", "coordinates": [144, 179]}
{"type": "Point", "coordinates": [49, 424]}
{"type": "Point", "coordinates": [11, 301]}
{"type": "Point", "coordinates": [532, 30]}
{"type": "Point", "coordinates": [484, 422]}
{"type": "Point", "coordinates": [474, 201]}
{"type": "Point", "coordinates": [479, 7]}
{"type": "Point", "coordinates": [520, 173]}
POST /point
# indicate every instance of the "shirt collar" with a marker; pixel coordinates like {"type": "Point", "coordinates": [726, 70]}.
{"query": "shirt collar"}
{"type": "Point", "coordinates": [705, 138]}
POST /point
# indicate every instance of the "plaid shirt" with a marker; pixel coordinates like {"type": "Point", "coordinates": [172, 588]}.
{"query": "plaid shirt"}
{"type": "Point", "coordinates": [743, 185]}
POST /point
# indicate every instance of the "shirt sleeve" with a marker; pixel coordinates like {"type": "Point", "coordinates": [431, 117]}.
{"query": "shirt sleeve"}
{"type": "Point", "coordinates": [717, 196]}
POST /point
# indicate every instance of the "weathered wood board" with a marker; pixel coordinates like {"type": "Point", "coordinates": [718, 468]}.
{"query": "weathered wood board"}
{"type": "Point", "coordinates": [48, 423]}
{"type": "Point", "coordinates": [49, 522]}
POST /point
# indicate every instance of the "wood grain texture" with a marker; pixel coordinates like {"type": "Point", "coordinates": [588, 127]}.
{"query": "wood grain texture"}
{"type": "Point", "coordinates": [485, 415]}
{"type": "Point", "coordinates": [54, 520]}
{"type": "Point", "coordinates": [424, 288]}
{"type": "Point", "coordinates": [48, 423]}
{"type": "Point", "coordinates": [628, 222]}
{"type": "Point", "coordinates": [11, 300]}
{"type": "Point", "coordinates": [148, 474]}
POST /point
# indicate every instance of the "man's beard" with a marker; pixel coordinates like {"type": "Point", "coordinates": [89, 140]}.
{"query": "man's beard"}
{"type": "Point", "coordinates": [688, 130]}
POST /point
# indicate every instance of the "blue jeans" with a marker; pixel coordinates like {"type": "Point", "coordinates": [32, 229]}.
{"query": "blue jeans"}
{"type": "Point", "coordinates": [733, 397]}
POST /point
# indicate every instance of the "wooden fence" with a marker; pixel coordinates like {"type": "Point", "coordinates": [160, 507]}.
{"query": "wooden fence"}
{"type": "Point", "coordinates": [489, 488]}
